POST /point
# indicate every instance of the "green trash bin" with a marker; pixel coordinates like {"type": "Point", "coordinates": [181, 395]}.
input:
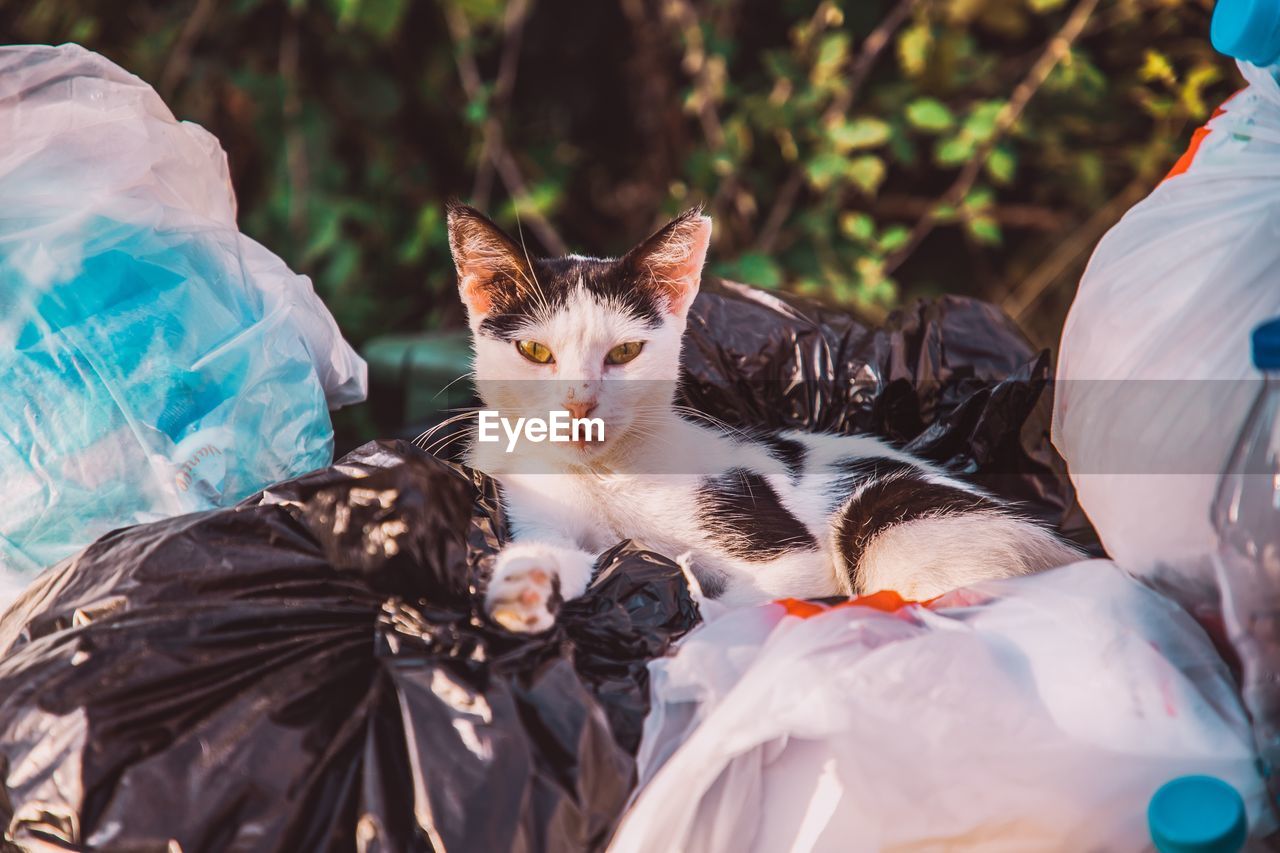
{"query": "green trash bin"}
{"type": "Point", "coordinates": [426, 372]}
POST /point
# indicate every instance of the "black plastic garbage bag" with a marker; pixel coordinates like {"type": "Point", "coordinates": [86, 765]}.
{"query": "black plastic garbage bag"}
{"type": "Point", "coordinates": [310, 670]}
{"type": "Point", "coordinates": [306, 672]}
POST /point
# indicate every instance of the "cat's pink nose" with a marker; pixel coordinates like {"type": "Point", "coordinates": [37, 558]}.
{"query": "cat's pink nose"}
{"type": "Point", "coordinates": [580, 408]}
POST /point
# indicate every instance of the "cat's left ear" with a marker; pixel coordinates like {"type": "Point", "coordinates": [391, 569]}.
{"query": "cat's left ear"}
{"type": "Point", "coordinates": [669, 263]}
{"type": "Point", "coordinates": [492, 269]}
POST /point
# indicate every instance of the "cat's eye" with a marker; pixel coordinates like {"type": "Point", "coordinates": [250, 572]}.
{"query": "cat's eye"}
{"type": "Point", "coordinates": [623, 353]}
{"type": "Point", "coordinates": [535, 352]}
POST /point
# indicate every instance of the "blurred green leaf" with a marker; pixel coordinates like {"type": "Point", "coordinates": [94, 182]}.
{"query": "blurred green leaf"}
{"type": "Point", "coordinates": [894, 238]}
{"type": "Point", "coordinates": [753, 268]}
{"type": "Point", "coordinates": [857, 226]}
{"type": "Point", "coordinates": [824, 169]}
{"type": "Point", "coordinates": [953, 151]}
{"type": "Point", "coordinates": [930, 115]}
{"type": "Point", "coordinates": [980, 124]}
{"type": "Point", "coordinates": [1001, 165]}
{"type": "Point", "coordinates": [1193, 89]}
{"type": "Point", "coordinates": [862, 132]}
{"type": "Point", "coordinates": [1156, 66]}
{"type": "Point", "coordinates": [832, 52]}
{"type": "Point", "coordinates": [867, 173]}
{"type": "Point", "coordinates": [984, 229]}
{"type": "Point", "coordinates": [913, 49]}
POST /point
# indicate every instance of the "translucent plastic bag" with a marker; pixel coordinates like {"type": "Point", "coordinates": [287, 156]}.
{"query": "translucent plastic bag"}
{"type": "Point", "coordinates": [1038, 713]}
{"type": "Point", "coordinates": [153, 360]}
{"type": "Point", "coordinates": [1154, 376]}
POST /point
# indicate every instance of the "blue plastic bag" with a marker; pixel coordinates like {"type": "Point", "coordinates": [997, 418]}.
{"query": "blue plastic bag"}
{"type": "Point", "coordinates": [153, 360]}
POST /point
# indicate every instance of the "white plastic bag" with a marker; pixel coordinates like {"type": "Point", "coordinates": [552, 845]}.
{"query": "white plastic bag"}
{"type": "Point", "coordinates": [1154, 374]}
{"type": "Point", "coordinates": [153, 360]}
{"type": "Point", "coordinates": [1038, 713]}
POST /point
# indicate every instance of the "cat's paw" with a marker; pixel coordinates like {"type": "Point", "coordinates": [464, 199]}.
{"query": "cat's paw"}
{"type": "Point", "coordinates": [527, 579]}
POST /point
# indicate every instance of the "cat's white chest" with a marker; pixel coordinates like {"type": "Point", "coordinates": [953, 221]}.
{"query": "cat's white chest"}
{"type": "Point", "coordinates": [599, 511]}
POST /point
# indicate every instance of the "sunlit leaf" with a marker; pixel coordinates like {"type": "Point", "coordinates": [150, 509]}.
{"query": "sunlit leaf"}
{"type": "Point", "coordinates": [984, 229]}
{"type": "Point", "coordinates": [1156, 66]}
{"type": "Point", "coordinates": [862, 132]}
{"type": "Point", "coordinates": [930, 115]}
{"type": "Point", "coordinates": [980, 124]}
{"type": "Point", "coordinates": [894, 238]}
{"type": "Point", "coordinates": [857, 226]}
{"type": "Point", "coordinates": [832, 51]}
{"type": "Point", "coordinates": [867, 172]}
{"type": "Point", "coordinates": [1193, 89]}
{"type": "Point", "coordinates": [953, 151]}
{"type": "Point", "coordinates": [1001, 165]}
{"type": "Point", "coordinates": [978, 199]}
{"type": "Point", "coordinates": [823, 169]}
{"type": "Point", "coordinates": [913, 49]}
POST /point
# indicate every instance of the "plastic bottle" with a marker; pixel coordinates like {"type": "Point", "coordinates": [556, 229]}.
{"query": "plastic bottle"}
{"type": "Point", "coordinates": [1246, 516]}
{"type": "Point", "coordinates": [1247, 29]}
{"type": "Point", "coordinates": [1197, 814]}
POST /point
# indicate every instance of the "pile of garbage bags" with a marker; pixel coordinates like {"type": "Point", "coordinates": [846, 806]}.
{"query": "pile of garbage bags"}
{"type": "Point", "coordinates": [153, 359]}
{"type": "Point", "coordinates": [307, 671]}
{"type": "Point", "coordinates": [311, 669]}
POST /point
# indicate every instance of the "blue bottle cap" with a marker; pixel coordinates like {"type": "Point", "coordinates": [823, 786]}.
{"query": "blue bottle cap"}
{"type": "Point", "coordinates": [1266, 345]}
{"type": "Point", "coordinates": [1197, 814]}
{"type": "Point", "coordinates": [1247, 29]}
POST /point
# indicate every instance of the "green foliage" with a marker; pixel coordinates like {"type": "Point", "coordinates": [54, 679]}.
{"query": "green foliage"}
{"type": "Point", "coordinates": [854, 167]}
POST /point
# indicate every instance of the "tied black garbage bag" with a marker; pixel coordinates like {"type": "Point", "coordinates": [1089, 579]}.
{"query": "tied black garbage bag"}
{"type": "Point", "coordinates": [307, 671]}
{"type": "Point", "coordinates": [311, 670]}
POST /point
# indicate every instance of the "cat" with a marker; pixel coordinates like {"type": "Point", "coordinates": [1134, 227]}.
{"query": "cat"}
{"type": "Point", "coordinates": [755, 517]}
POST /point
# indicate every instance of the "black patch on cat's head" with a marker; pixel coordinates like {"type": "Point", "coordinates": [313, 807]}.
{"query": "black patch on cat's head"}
{"type": "Point", "coordinates": [556, 280]}
{"type": "Point", "coordinates": [746, 518]}
{"type": "Point", "coordinates": [505, 285]}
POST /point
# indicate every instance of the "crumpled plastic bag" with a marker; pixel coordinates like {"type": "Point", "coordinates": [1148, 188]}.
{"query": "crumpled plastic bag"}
{"type": "Point", "coordinates": [1154, 375]}
{"type": "Point", "coordinates": [153, 360]}
{"type": "Point", "coordinates": [1032, 714]}
{"type": "Point", "coordinates": [309, 671]}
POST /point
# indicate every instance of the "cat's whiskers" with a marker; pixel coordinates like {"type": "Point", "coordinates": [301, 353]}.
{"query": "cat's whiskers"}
{"type": "Point", "coordinates": [426, 435]}
{"type": "Point", "coordinates": [469, 373]}
{"type": "Point", "coordinates": [440, 444]}
{"type": "Point", "coordinates": [543, 302]}
{"type": "Point", "coordinates": [724, 428]}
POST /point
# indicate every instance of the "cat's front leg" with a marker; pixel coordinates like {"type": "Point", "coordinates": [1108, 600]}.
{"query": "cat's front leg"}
{"type": "Point", "coordinates": [526, 579]}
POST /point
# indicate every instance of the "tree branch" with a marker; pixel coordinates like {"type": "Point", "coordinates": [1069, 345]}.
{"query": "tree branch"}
{"type": "Point", "coordinates": [295, 151]}
{"type": "Point", "coordinates": [180, 56]}
{"type": "Point", "coordinates": [513, 33]}
{"type": "Point", "coordinates": [493, 144]}
{"type": "Point", "coordinates": [1023, 297]}
{"type": "Point", "coordinates": [1031, 216]}
{"type": "Point", "coordinates": [1054, 52]}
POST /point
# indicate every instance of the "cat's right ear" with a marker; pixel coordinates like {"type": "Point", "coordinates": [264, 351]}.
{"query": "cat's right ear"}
{"type": "Point", "coordinates": [489, 263]}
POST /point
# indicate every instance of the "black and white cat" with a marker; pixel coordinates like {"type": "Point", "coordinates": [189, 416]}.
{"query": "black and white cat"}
{"type": "Point", "coordinates": [799, 515]}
